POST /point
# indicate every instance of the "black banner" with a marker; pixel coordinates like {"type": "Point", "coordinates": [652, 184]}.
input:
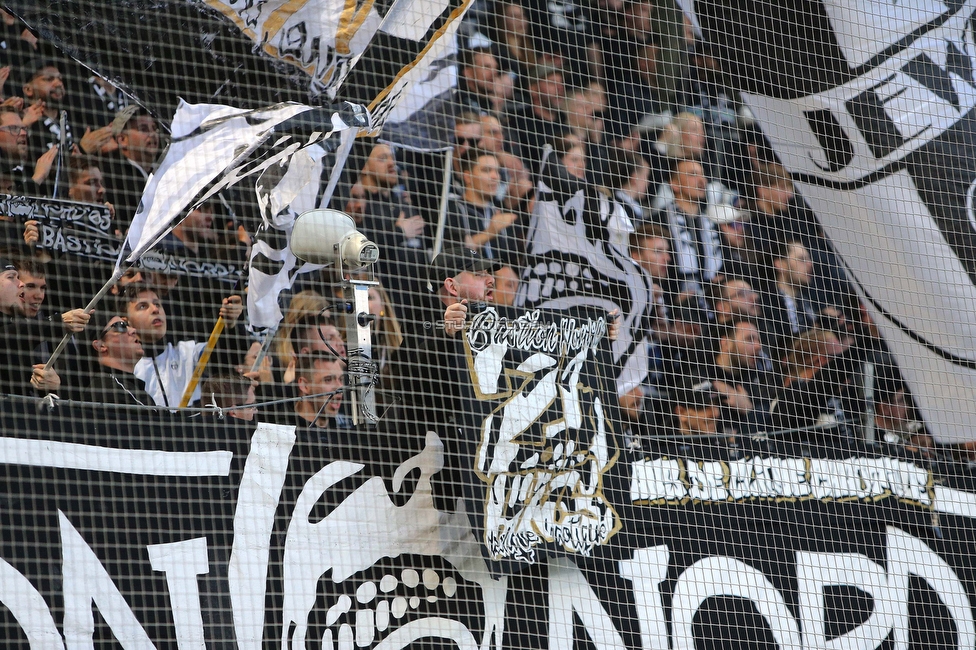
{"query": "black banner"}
{"type": "Point", "coordinates": [73, 214]}
{"type": "Point", "coordinates": [158, 532]}
{"type": "Point", "coordinates": [85, 230]}
{"type": "Point", "coordinates": [160, 262]}
{"type": "Point", "coordinates": [547, 443]}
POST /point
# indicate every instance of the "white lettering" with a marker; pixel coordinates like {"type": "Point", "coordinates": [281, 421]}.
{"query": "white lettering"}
{"type": "Point", "coordinates": [569, 593]}
{"type": "Point", "coordinates": [85, 582]}
{"type": "Point", "coordinates": [672, 481]}
{"type": "Point", "coordinates": [260, 489]}
{"type": "Point", "coordinates": [814, 571]}
{"type": "Point", "coordinates": [28, 607]}
{"type": "Point", "coordinates": [182, 562]}
{"type": "Point", "coordinates": [647, 570]}
{"type": "Point", "coordinates": [910, 556]}
{"type": "Point", "coordinates": [725, 576]}
{"type": "Point", "coordinates": [706, 481]}
{"type": "Point", "coordinates": [657, 480]}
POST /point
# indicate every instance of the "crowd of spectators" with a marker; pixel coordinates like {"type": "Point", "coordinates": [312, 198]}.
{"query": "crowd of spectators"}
{"type": "Point", "coordinates": [755, 329]}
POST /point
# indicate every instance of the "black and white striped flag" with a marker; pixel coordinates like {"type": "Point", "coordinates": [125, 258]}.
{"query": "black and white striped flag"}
{"type": "Point", "coordinates": [870, 105]}
{"type": "Point", "coordinates": [573, 264]}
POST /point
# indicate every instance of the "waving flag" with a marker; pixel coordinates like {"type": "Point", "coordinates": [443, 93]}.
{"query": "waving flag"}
{"type": "Point", "coordinates": [254, 53]}
{"type": "Point", "coordinates": [213, 148]}
{"type": "Point", "coordinates": [282, 197]}
{"type": "Point", "coordinates": [431, 74]}
{"type": "Point", "coordinates": [326, 38]}
{"type": "Point", "coordinates": [572, 264]}
{"type": "Point", "coordinates": [871, 106]}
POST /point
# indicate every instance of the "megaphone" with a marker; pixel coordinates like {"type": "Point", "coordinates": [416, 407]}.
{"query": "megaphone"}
{"type": "Point", "coordinates": [330, 237]}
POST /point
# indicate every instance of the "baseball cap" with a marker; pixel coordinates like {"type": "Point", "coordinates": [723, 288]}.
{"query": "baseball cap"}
{"type": "Point", "coordinates": [6, 264]}
{"type": "Point", "coordinates": [454, 260]}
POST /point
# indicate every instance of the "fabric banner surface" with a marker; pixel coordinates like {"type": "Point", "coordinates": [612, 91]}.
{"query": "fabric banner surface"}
{"type": "Point", "coordinates": [207, 533]}
{"type": "Point", "coordinates": [547, 443]}
{"type": "Point", "coordinates": [326, 38]}
{"type": "Point", "coordinates": [214, 147]}
{"type": "Point", "coordinates": [77, 214]}
{"type": "Point", "coordinates": [85, 230]}
{"type": "Point", "coordinates": [573, 264]}
{"type": "Point", "coordinates": [872, 108]}
{"type": "Point", "coordinates": [256, 53]}
{"type": "Point", "coordinates": [73, 227]}
{"type": "Point", "coordinates": [282, 197]}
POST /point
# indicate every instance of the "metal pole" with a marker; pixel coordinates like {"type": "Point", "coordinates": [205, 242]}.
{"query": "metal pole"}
{"type": "Point", "coordinates": [869, 400]}
{"type": "Point", "coordinates": [442, 210]}
{"type": "Point", "coordinates": [265, 344]}
{"type": "Point", "coordinates": [88, 309]}
{"type": "Point", "coordinates": [361, 371]}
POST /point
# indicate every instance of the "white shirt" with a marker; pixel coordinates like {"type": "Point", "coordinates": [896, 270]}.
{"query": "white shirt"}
{"type": "Point", "coordinates": [174, 365]}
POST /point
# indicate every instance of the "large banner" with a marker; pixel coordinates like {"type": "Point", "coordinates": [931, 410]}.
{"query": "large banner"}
{"type": "Point", "coordinates": [158, 532]}
{"type": "Point", "coordinates": [870, 104]}
{"type": "Point", "coordinates": [548, 442]}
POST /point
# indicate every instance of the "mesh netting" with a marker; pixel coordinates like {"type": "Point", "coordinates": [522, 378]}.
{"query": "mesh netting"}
{"type": "Point", "coordinates": [487, 324]}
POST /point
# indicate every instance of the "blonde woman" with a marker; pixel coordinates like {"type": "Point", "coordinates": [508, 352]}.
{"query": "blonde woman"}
{"type": "Point", "coordinates": [303, 305]}
{"type": "Point", "coordinates": [388, 335]}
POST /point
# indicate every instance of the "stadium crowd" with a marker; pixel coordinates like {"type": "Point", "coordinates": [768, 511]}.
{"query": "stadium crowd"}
{"type": "Point", "coordinates": [755, 328]}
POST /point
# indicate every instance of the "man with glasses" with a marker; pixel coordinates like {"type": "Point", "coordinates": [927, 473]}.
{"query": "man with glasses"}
{"type": "Point", "coordinates": [14, 152]}
{"type": "Point", "coordinates": [13, 137]}
{"type": "Point", "coordinates": [117, 350]}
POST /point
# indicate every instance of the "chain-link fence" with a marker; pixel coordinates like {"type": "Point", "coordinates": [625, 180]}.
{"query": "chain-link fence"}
{"type": "Point", "coordinates": [487, 324]}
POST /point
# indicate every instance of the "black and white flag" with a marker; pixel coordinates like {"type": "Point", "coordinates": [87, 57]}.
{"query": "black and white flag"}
{"type": "Point", "coordinates": [254, 53]}
{"type": "Point", "coordinates": [284, 192]}
{"type": "Point", "coordinates": [327, 38]}
{"type": "Point", "coordinates": [870, 105]}
{"type": "Point", "coordinates": [215, 147]}
{"type": "Point", "coordinates": [548, 444]}
{"type": "Point", "coordinates": [573, 264]}
{"type": "Point", "coordinates": [432, 75]}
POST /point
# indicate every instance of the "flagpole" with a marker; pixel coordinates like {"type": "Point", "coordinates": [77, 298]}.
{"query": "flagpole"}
{"type": "Point", "coordinates": [265, 344]}
{"type": "Point", "coordinates": [442, 210]}
{"type": "Point", "coordinates": [88, 309]}
{"type": "Point", "coordinates": [202, 362]}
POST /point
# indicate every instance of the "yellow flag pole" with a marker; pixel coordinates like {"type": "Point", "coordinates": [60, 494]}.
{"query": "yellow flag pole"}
{"type": "Point", "coordinates": [203, 361]}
